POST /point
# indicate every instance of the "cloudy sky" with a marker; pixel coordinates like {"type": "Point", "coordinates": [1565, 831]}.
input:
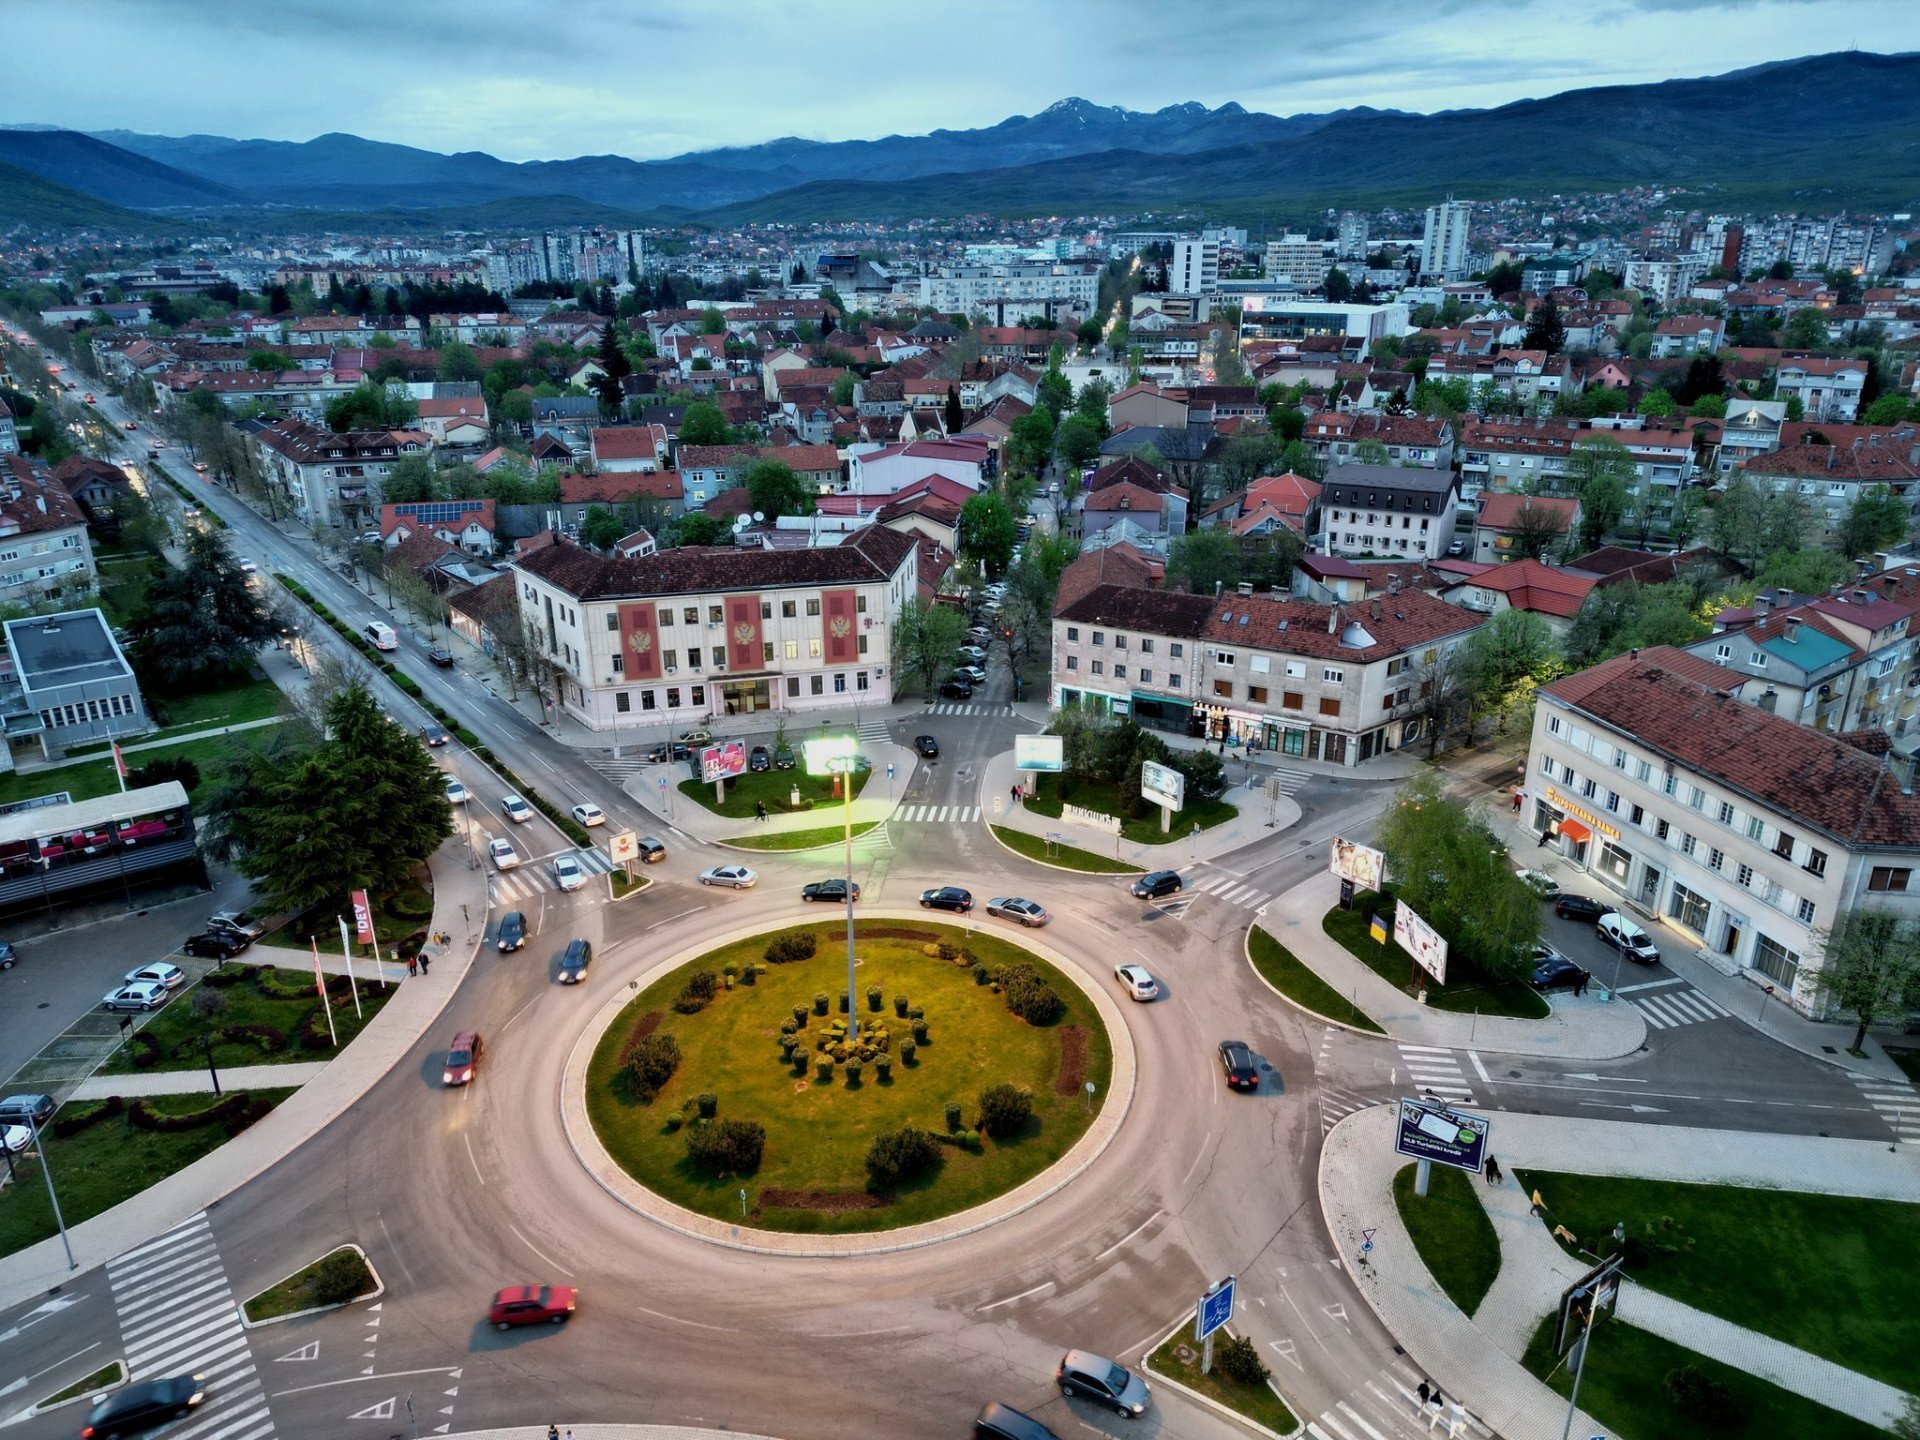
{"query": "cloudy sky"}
{"type": "Point", "coordinates": [526, 80]}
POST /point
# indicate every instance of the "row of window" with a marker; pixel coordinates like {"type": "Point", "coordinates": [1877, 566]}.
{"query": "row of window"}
{"type": "Point", "coordinates": [696, 695]}
{"type": "Point", "coordinates": [1175, 648]}
{"type": "Point", "coordinates": [716, 614]}
{"type": "Point", "coordinates": [718, 654]}
{"type": "Point", "coordinates": [88, 711]}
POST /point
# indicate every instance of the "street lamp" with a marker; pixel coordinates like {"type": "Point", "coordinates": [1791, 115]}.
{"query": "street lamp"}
{"type": "Point", "coordinates": [206, 1046]}
{"type": "Point", "coordinates": [835, 755]}
{"type": "Point", "coordinates": [53, 1199]}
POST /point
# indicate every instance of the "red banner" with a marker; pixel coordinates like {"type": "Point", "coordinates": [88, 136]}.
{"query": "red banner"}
{"type": "Point", "coordinates": [640, 642]}
{"type": "Point", "coordinates": [362, 917]}
{"type": "Point", "coordinates": [743, 633]}
{"type": "Point", "coordinates": [841, 624]}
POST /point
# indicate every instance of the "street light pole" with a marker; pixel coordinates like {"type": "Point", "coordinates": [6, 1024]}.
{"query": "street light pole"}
{"type": "Point", "coordinates": [53, 1199]}
{"type": "Point", "coordinates": [206, 1045]}
{"type": "Point", "coordinates": [846, 811]}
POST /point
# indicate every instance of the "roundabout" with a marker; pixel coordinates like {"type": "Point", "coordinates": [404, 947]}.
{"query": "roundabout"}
{"type": "Point", "coordinates": [722, 1095]}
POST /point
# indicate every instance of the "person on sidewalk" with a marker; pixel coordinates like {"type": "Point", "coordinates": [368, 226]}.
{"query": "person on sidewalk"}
{"type": "Point", "coordinates": [759, 810]}
{"type": "Point", "coordinates": [413, 965]}
{"type": "Point", "coordinates": [425, 964]}
{"type": "Point", "coordinates": [1493, 1171]}
{"type": "Point", "coordinates": [1580, 985]}
{"type": "Point", "coordinates": [1425, 1391]}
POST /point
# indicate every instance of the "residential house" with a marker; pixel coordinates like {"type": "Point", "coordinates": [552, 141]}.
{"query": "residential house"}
{"type": "Point", "coordinates": [469, 524]}
{"type": "Point", "coordinates": [455, 422]}
{"type": "Point", "coordinates": [1334, 436]}
{"type": "Point", "coordinates": [72, 682]}
{"type": "Point", "coordinates": [1749, 428]}
{"type": "Point", "coordinates": [621, 448]}
{"type": "Point", "coordinates": [659, 494]}
{"type": "Point", "coordinates": [1388, 510]}
{"type": "Point", "coordinates": [1509, 524]}
{"type": "Point", "coordinates": [97, 487]}
{"type": "Point", "coordinates": [1272, 502]}
{"type": "Point", "coordinates": [1832, 477]}
{"type": "Point", "coordinates": [1548, 591]}
{"type": "Point", "coordinates": [1828, 387]}
{"type": "Point", "coordinates": [890, 468]}
{"type": "Point", "coordinates": [9, 431]}
{"type": "Point", "coordinates": [1679, 335]}
{"type": "Point", "coordinates": [332, 478]}
{"type": "Point", "coordinates": [45, 552]}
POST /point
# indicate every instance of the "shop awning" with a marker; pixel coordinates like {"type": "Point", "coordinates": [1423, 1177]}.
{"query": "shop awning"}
{"type": "Point", "coordinates": [1575, 831]}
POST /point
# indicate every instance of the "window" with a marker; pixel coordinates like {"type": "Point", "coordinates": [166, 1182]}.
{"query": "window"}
{"type": "Point", "coordinates": [1119, 672]}
{"type": "Point", "coordinates": [671, 658]}
{"type": "Point", "coordinates": [813, 649]}
{"type": "Point", "coordinates": [766, 609]}
{"type": "Point", "coordinates": [860, 608]}
{"type": "Point", "coordinates": [1637, 815]}
{"type": "Point", "coordinates": [691, 615]}
{"type": "Point", "coordinates": [1292, 700]}
{"type": "Point", "coordinates": [1660, 830]}
{"type": "Point", "coordinates": [646, 699]}
{"type": "Point", "coordinates": [1671, 786]}
{"type": "Point", "coordinates": [1223, 657]}
{"type": "Point", "coordinates": [1099, 637]}
{"type": "Point", "coordinates": [1174, 681]}
{"type": "Point", "coordinates": [1889, 879]}
{"type": "Point", "coordinates": [1330, 707]}
{"type": "Point", "coordinates": [1743, 876]}
{"type": "Point", "coordinates": [613, 620]}
{"type": "Point", "coordinates": [1716, 859]}
{"type": "Point", "coordinates": [816, 685]}
{"type": "Point", "coordinates": [1099, 667]}
{"type": "Point", "coordinates": [1615, 862]}
{"type": "Point", "coordinates": [861, 647]}
{"type": "Point", "coordinates": [1805, 912]}
{"type": "Point", "coordinates": [1816, 862]}
{"type": "Point", "coordinates": [1178, 649]}
{"type": "Point", "coordinates": [787, 610]}
{"type": "Point", "coordinates": [1256, 694]}
{"type": "Point", "coordinates": [693, 657]}
{"type": "Point", "coordinates": [793, 687]}
{"type": "Point", "coordinates": [813, 606]}
{"type": "Point", "coordinates": [1223, 689]}
{"type": "Point", "coordinates": [1613, 800]}
{"type": "Point", "coordinates": [1783, 845]}
{"type": "Point", "coordinates": [673, 697]}
{"type": "Point", "coordinates": [1757, 830]}
{"type": "Point", "coordinates": [1073, 662]}
{"type": "Point", "coordinates": [861, 676]}
{"type": "Point", "coordinates": [719, 657]}
{"type": "Point", "coordinates": [1073, 632]}
{"type": "Point", "coordinates": [1146, 677]}
{"type": "Point", "coordinates": [1643, 771]}
{"type": "Point", "coordinates": [1119, 642]}
{"type": "Point", "coordinates": [1723, 652]}
{"type": "Point", "coordinates": [1553, 721]}
{"type": "Point", "coordinates": [793, 649]}
{"type": "Point", "coordinates": [1589, 787]}
{"type": "Point", "coordinates": [1259, 664]}
{"type": "Point", "coordinates": [715, 615]}
{"type": "Point", "coordinates": [1619, 759]}
{"type": "Point", "coordinates": [1689, 908]}
{"type": "Point", "coordinates": [619, 664]}
{"type": "Point", "coordinates": [1726, 813]}
{"type": "Point", "coordinates": [1698, 800]}
{"type": "Point", "coordinates": [666, 616]}
{"type": "Point", "coordinates": [840, 684]}
{"type": "Point", "coordinates": [1775, 961]}
{"type": "Point", "coordinates": [1296, 669]}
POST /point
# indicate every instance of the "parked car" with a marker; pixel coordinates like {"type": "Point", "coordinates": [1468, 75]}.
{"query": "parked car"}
{"type": "Point", "coordinates": [1154, 884]}
{"type": "Point", "coordinates": [1540, 882]}
{"type": "Point", "coordinates": [28, 1106]}
{"type": "Point", "coordinates": [927, 747]}
{"type": "Point", "coordinates": [1030, 913]}
{"type": "Point", "coordinates": [739, 877]}
{"type": "Point", "coordinates": [947, 897]}
{"type": "Point", "coordinates": [463, 1054]}
{"type": "Point", "coordinates": [979, 634]}
{"type": "Point", "coordinates": [575, 963]}
{"type": "Point", "coordinates": [216, 944]}
{"type": "Point", "coordinates": [7, 956]}
{"type": "Point", "coordinates": [144, 996]}
{"type": "Point", "coordinates": [134, 1408]}
{"type": "Point", "coordinates": [1136, 981]}
{"type": "Point", "coordinates": [516, 809]}
{"type": "Point", "coordinates": [1556, 971]}
{"type": "Point", "coordinates": [1628, 938]}
{"type": "Point", "coordinates": [834, 890]}
{"type": "Point", "coordinates": [241, 922]}
{"type": "Point", "coordinates": [532, 1305]}
{"type": "Point", "coordinates": [956, 689]}
{"type": "Point", "coordinates": [1083, 1373]}
{"type": "Point", "coordinates": [15, 1138]}
{"type": "Point", "coordinates": [457, 794]}
{"type": "Point", "coordinates": [783, 758]}
{"type": "Point", "coordinates": [587, 814]}
{"type": "Point", "coordinates": [567, 874]}
{"type": "Point", "coordinates": [691, 738]}
{"type": "Point", "coordinates": [440, 655]}
{"type": "Point", "coordinates": [652, 851]}
{"type": "Point", "coordinates": [1243, 1071]}
{"type": "Point", "coordinates": [668, 750]}
{"type": "Point", "coordinates": [159, 973]}
{"type": "Point", "coordinates": [513, 931]}
{"type": "Point", "coordinates": [759, 758]}
{"type": "Point", "coordinates": [1002, 1422]}
{"type": "Point", "coordinates": [502, 853]}
{"type": "Point", "coordinates": [434, 735]}
{"type": "Point", "coordinates": [1579, 907]}
{"type": "Point", "coordinates": [971, 654]}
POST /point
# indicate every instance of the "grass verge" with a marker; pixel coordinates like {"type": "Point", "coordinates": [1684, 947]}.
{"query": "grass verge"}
{"type": "Point", "coordinates": [336, 1278]}
{"type": "Point", "coordinates": [1810, 1270]}
{"type": "Point", "coordinates": [1178, 1359]}
{"type": "Point", "coordinates": [1392, 964]}
{"type": "Point", "coordinates": [107, 1376]}
{"type": "Point", "coordinates": [801, 839]}
{"type": "Point", "coordinates": [105, 1164]}
{"type": "Point", "coordinates": [1282, 969]}
{"type": "Point", "coordinates": [1035, 847]}
{"type": "Point", "coordinates": [1054, 791]}
{"type": "Point", "coordinates": [1624, 1389]}
{"type": "Point", "coordinates": [1452, 1233]}
{"type": "Point", "coordinates": [92, 778]}
{"type": "Point", "coordinates": [625, 884]}
{"type": "Point", "coordinates": [772, 788]}
{"type": "Point", "coordinates": [177, 1029]}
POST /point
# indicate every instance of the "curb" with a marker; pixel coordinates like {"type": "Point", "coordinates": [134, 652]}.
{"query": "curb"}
{"type": "Point", "coordinates": [636, 1197]}
{"type": "Point", "coordinates": [1064, 869]}
{"type": "Point", "coordinates": [1246, 948]}
{"type": "Point", "coordinates": [728, 844]}
{"type": "Point", "coordinates": [1146, 1364]}
{"type": "Point", "coordinates": [645, 883]}
{"type": "Point", "coordinates": [379, 1289]}
{"type": "Point", "coordinates": [45, 1409]}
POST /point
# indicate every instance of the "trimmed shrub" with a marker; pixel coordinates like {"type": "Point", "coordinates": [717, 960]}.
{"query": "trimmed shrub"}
{"type": "Point", "coordinates": [74, 1119]}
{"type": "Point", "coordinates": [788, 949]}
{"type": "Point", "coordinates": [675, 1121]}
{"type": "Point", "coordinates": [900, 1006]}
{"type": "Point", "coordinates": [1029, 996]}
{"type": "Point", "coordinates": [220, 979]}
{"type": "Point", "coordinates": [883, 1068]}
{"type": "Point", "coordinates": [726, 1147]}
{"type": "Point", "coordinates": [142, 1116]}
{"type": "Point", "coordinates": [920, 1031]}
{"type": "Point", "coordinates": [313, 1031]}
{"type": "Point", "coordinates": [907, 1049]}
{"type": "Point", "coordinates": [1707, 1402]}
{"type": "Point", "coordinates": [844, 1009]}
{"type": "Point", "coordinates": [1239, 1359]}
{"type": "Point", "coordinates": [789, 1027]}
{"type": "Point", "coordinates": [916, 1012]}
{"type": "Point", "coordinates": [899, 1155]}
{"type": "Point", "coordinates": [749, 974]}
{"type": "Point", "coordinates": [251, 1113]}
{"type": "Point", "coordinates": [853, 1068]}
{"type": "Point", "coordinates": [1004, 1110]}
{"type": "Point", "coordinates": [946, 950]}
{"type": "Point", "coordinates": [703, 983]}
{"type": "Point", "coordinates": [799, 1016]}
{"type": "Point", "coordinates": [823, 1068]}
{"type": "Point", "coordinates": [953, 1115]}
{"type": "Point", "coordinates": [709, 1104]}
{"type": "Point", "coordinates": [820, 1003]}
{"type": "Point", "coordinates": [146, 1050]}
{"type": "Point", "coordinates": [980, 975]}
{"type": "Point", "coordinates": [874, 997]}
{"type": "Point", "coordinates": [729, 971]}
{"type": "Point", "coordinates": [689, 1003]}
{"type": "Point", "coordinates": [652, 1063]}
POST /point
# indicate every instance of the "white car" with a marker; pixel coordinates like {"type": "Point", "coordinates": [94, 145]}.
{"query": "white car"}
{"type": "Point", "coordinates": [516, 809]}
{"type": "Point", "coordinates": [159, 973]}
{"type": "Point", "coordinates": [971, 654]}
{"type": "Point", "coordinates": [15, 1138]}
{"type": "Point", "coordinates": [1628, 938]}
{"type": "Point", "coordinates": [247, 567]}
{"type": "Point", "coordinates": [504, 856]}
{"type": "Point", "coordinates": [1137, 982]}
{"type": "Point", "coordinates": [737, 876]}
{"type": "Point", "coordinates": [567, 874]}
{"type": "Point", "coordinates": [972, 672]}
{"type": "Point", "coordinates": [145, 995]}
{"type": "Point", "coordinates": [457, 793]}
{"type": "Point", "coordinates": [589, 814]}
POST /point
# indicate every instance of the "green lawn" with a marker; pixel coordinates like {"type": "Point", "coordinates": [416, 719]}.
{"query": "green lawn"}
{"type": "Point", "coordinates": [772, 788]}
{"type": "Point", "coordinates": [623, 886]}
{"type": "Point", "coordinates": [1391, 963]}
{"type": "Point", "coordinates": [395, 917]}
{"type": "Point", "coordinates": [108, 1375]}
{"type": "Point", "coordinates": [1053, 791]}
{"type": "Point", "coordinates": [1451, 1231]}
{"type": "Point", "coordinates": [178, 1029]}
{"type": "Point", "coordinates": [308, 1286]}
{"type": "Point", "coordinates": [88, 779]}
{"type": "Point", "coordinates": [1258, 1403]}
{"type": "Point", "coordinates": [800, 839]}
{"type": "Point", "coordinates": [253, 698]}
{"type": "Point", "coordinates": [98, 1168]}
{"type": "Point", "coordinates": [1035, 847]}
{"type": "Point", "coordinates": [1622, 1389]}
{"type": "Point", "coordinates": [1282, 969]}
{"type": "Point", "coordinates": [1827, 1273]}
{"type": "Point", "coordinates": [818, 1132]}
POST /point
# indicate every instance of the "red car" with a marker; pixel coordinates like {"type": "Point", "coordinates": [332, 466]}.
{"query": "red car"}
{"type": "Point", "coordinates": [532, 1305]}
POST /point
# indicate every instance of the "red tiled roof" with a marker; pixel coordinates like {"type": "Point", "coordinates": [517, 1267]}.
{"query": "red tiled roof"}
{"type": "Point", "coordinates": [611, 487]}
{"type": "Point", "coordinates": [1529, 585]}
{"type": "Point", "coordinates": [1387, 624]}
{"type": "Point", "coordinates": [871, 556]}
{"type": "Point", "coordinates": [1502, 509]}
{"type": "Point", "coordinates": [626, 442]}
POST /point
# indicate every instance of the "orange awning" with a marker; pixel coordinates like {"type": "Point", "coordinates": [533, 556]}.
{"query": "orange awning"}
{"type": "Point", "coordinates": [1575, 831]}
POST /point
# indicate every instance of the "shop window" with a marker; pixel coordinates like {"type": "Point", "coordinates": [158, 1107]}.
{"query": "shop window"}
{"type": "Point", "coordinates": [1689, 908]}
{"type": "Point", "coordinates": [1775, 961]}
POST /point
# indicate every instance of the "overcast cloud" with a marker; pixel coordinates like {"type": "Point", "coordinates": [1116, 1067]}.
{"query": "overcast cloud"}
{"type": "Point", "coordinates": [651, 78]}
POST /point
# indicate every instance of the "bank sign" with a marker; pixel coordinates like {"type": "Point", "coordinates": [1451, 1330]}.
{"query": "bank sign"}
{"type": "Point", "coordinates": [1428, 1130]}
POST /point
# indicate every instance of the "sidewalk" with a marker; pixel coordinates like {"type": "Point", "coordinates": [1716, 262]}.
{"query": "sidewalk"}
{"type": "Point", "coordinates": [1587, 1028]}
{"type": "Point", "coordinates": [875, 803]}
{"type": "Point", "coordinates": [189, 1082]}
{"type": "Point", "coordinates": [1477, 1359]}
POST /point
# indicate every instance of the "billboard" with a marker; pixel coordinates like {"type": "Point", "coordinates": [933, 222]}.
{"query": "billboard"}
{"type": "Point", "coordinates": [723, 760]}
{"type": "Point", "coordinates": [1586, 1302]}
{"type": "Point", "coordinates": [1421, 941]}
{"type": "Point", "coordinates": [1428, 1130]}
{"type": "Point", "coordinates": [1361, 864]}
{"type": "Point", "coordinates": [624, 848]}
{"type": "Point", "coordinates": [1162, 785]}
{"type": "Point", "coordinates": [1039, 752]}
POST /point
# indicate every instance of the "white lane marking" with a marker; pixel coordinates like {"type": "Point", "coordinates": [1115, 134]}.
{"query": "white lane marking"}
{"type": "Point", "coordinates": [1649, 985]}
{"type": "Point", "coordinates": [1478, 1067]}
{"type": "Point", "coordinates": [1129, 1236]}
{"type": "Point", "coordinates": [468, 1139]}
{"type": "Point", "coordinates": [357, 1379]}
{"type": "Point", "coordinates": [681, 916]}
{"type": "Point", "coordinates": [543, 1254]}
{"type": "Point", "coordinates": [996, 1304]}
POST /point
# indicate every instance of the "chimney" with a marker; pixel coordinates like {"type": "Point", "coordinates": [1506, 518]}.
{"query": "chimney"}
{"type": "Point", "coordinates": [1832, 452]}
{"type": "Point", "coordinates": [1762, 603]}
{"type": "Point", "coordinates": [1393, 584]}
{"type": "Point", "coordinates": [1793, 629]}
{"type": "Point", "coordinates": [1333, 620]}
{"type": "Point", "coordinates": [1860, 597]}
{"type": "Point", "coordinates": [1246, 587]}
{"type": "Point", "coordinates": [1217, 585]}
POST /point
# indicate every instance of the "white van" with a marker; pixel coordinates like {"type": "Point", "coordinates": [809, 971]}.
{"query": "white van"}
{"type": "Point", "coordinates": [382, 636]}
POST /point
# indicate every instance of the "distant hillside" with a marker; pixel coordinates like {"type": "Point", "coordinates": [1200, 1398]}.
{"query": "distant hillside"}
{"type": "Point", "coordinates": [35, 203]}
{"type": "Point", "coordinates": [108, 172]}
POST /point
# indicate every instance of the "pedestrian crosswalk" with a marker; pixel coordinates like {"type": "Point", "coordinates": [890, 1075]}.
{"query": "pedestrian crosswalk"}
{"type": "Point", "coordinates": [1225, 885]}
{"type": "Point", "coordinates": [957, 708]}
{"type": "Point", "coordinates": [1290, 780]}
{"type": "Point", "coordinates": [873, 730]}
{"type": "Point", "coordinates": [1433, 1068]}
{"type": "Point", "coordinates": [178, 1317]}
{"type": "Point", "coordinates": [629, 763]}
{"type": "Point", "coordinates": [532, 877]}
{"type": "Point", "coordinates": [1671, 1006]}
{"type": "Point", "coordinates": [937, 814]}
{"type": "Point", "coordinates": [1388, 1406]}
{"type": "Point", "coordinates": [1896, 1101]}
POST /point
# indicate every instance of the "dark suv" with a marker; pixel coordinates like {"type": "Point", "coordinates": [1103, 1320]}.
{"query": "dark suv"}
{"type": "Point", "coordinates": [1002, 1422]}
{"type": "Point", "coordinates": [143, 1406]}
{"type": "Point", "coordinates": [576, 962]}
{"type": "Point", "coordinates": [1154, 884]}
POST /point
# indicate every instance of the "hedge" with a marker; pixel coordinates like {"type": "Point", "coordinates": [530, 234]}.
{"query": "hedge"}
{"type": "Point", "coordinates": [144, 1117]}
{"type": "Point", "coordinates": [73, 1120]}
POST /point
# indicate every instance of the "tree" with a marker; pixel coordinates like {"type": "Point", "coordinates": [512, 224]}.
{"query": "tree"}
{"type": "Point", "coordinates": [776, 490]}
{"type": "Point", "coordinates": [600, 527]}
{"type": "Point", "coordinates": [1709, 407]}
{"type": "Point", "coordinates": [1545, 329]}
{"type": "Point", "coordinates": [697, 528]}
{"type": "Point", "coordinates": [843, 386]}
{"type": "Point", "coordinates": [1204, 560]}
{"type": "Point", "coordinates": [712, 321]}
{"type": "Point", "coordinates": [925, 636]}
{"type": "Point", "coordinates": [1077, 441]}
{"type": "Point", "coordinates": [1601, 471]}
{"type": "Point", "coordinates": [1506, 278]}
{"type": "Point", "coordinates": [1370, 450]}
{"type": "Point", "coordinates": [1810, 570]}
{"type": "Point", "coordinates": [1510, 657]}
{"type": "Point", "coordinates": [1870, 966]}
{"type": "Point", "coordinates": [1030, 442]}
{"type": "Point", "coordinates": [1703, 378]}
{"type": "Point", "coordinates": [1092, 401]}
{"type": "Point", "coordinates": [1739, 519]}
{"type": "Point", "coordinates": [1288, 422]}
{"type": "Point", "coordinates": [614, 367]}
{"type": "Point", "coordinates": [203, 621]}
{"type": "Point", "coordinates": [458, 362]}
{"type": "Point", "coordinates": [987, 532]}
{"type": "Point", "coordinates": [410, 481]}
{"type": "Point", "coordinates": [1805, 330]}
{"type": "Point", "coordinates": [1026, 617]}
{"type": "Point", "coordinates": [1054, 394]}
{"type": "Point", "coordinates": [703, 424]}
{"type": "Point", "coordinates": [1535, 530]}
{"type": "Point", "coordinates": [274, 362]}
{"type": "Point", "coordinates": [1876, 520]}
{"type": "Point", "coordinates": [370, 407]}
{"type": "Point", "coordinates": [1617, 618]}
{"type": "Point", "coordinates": [1657, 403]}
{"type": "Point", "coordinates": [1337, 287]}
{"type": "Point", "coordinates": [956, 418]}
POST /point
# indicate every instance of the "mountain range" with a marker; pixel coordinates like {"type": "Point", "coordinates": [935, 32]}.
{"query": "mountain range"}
{"type": "Point", "coordinates": [1752, 134]}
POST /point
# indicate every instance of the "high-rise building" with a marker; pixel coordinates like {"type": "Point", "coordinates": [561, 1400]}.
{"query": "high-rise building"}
{"type": "Point", "coordinates": [1196, 267]}
{"type": "Point", "coordinates": [1443, 245]}
{"type": "Point", "coordinates": [1296, 258]}
{"type": "Point", "coordinates": [1353, 235]}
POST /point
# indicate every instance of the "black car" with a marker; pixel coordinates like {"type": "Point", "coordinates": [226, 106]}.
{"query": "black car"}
{"type": "Point", "coordinates": [1579, 907]}
{"type": "Point", "coordinates": [1002, 1422]}
{"type": "Point", "coordinates": [835, 890]}
{"type": "Point", "coordinates": [141, 1407]}
{"type": "Point", "coordinates": [440, 656]}
{"type": "Point", "coordinates": [575, 963]}
{"type": "Point", "coordinates": [759, 759]}
{"type": "Point", "coordinates": [956, 689]}
{"type": "Point", "coordinates": [1156, 883]}
{"type": "Point", "coordinates": [1243, 1071]}
{"type": "Point", "coordinates": [783, 758]}
{"type": "Point", "coordinates": [947, 897]}
{"type": "Point", "coordinates": [668, 750]}
{"type": "Point", "coordinates": [927, 746]}
{"type": "Point", "coordinates": [1555, 972]}
{"type": "Point", "coordinates": [435, 735]}
{"type": "Point", "coordinates": [513, 931]}
{"type": "Point", "coordinates": [219, 944]}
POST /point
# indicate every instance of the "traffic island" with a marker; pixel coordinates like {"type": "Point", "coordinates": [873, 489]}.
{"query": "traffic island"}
{"type": "Point", "coordinates": [1047, 851]}
{"type": "Point", "coordinates": [1294, 982]}
{"type": "Point", "coordinates": [732, 1086]}
{"type": "Point", "coordinates": [108, 1377]}
{"type": "Point", "coordinates": [621, 885]}
{"type": "Point", "coordinates": [1355, 932]}
{"type": "Point", "coordinates": [1239, 1381]}
{"type": "Point", "coordinates": [775, 789]}
{"type": "Point", "coordinates": [335, 1279]}
{"type": "Point", "coordinates": [1451, 1233]}
{"type": "Point", "coordinates": [811, 839]}
{"type": "Point", "coordinates": [1054, 793]}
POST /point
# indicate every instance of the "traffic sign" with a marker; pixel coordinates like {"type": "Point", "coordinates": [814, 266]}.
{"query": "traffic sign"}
{"type": "Point", "coordinates": [889, 770]}
{"type": "Point", "coordinates": [1214, 1310]}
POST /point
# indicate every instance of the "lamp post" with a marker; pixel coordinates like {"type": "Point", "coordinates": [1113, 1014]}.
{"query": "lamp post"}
{"type": "Point", "coordinates": [206, 1046]}
{"type": "Point", "coordinates": [835, 755]}
{"type": "Point", "coordinates": [53, 1199]}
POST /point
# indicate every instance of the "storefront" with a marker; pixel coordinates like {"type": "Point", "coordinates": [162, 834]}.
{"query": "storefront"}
{"type": "Point", "coordinates": [1571, 828]}
{"type": "Point", "coordinates": [1157, 712]}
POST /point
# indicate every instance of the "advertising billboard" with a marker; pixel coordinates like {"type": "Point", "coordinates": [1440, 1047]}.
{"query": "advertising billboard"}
{"type": "Point", "coordinates": [1428, 1130]}
{"type": "Point", "coordinates": [1422, 942]}
{"type": "Point", "coordinates": [1586, 1302]}
{"type": "Point", "coordinates": [724, 760]}
{"type": "Point", "coordinates": [1362, 864]}
{"type": "Point", "coordinates": [1162, 785]}
{"type": "Point", "coordinates": [624, 848]}
{"type": "Point", "coordinates": [1039, 752]}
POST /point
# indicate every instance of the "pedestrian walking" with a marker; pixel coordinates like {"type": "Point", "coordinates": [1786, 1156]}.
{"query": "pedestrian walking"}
{"type": "Point", "coordinates": [759, 810]}
{"type": "Point", "coordinates": [1436, 1410]}
{"type": "Point", "coordinates": [553, 1432]}
{"type": "Point", "coordinates": [1545, 836]}
{"type": "Point", "coordinates": [1580, 985]}
{"type": "Point", "coordinates": [1425, 1391]}
{"type": "Point", "coordinates": [413, 965]}
{"type": "Point", "coordinates": [1493, 1171]}
{"type": "Point", "coordinates": [424, 962]}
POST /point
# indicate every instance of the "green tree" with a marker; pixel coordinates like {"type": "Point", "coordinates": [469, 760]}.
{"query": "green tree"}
{"type": "Point", "coordinates": [987, 532]}
{"type": "Point", "coordinates": [1889, 410]}
{"type": "Point", "coordinates": [1657, 403]}
{"type": "Point", "coordinates": [1030, 442]}
{"type": "Point", "coordinates": [1054, 394]}
{"type": "Point", "coordinates": [1510, 657]}
{"type": "Point", "coordinates": [410, 481]}
{"type": "Point", "coordinates": [776, 490]}
{"type": "Point", "coordinates": [514, 407]}
{"type": "Point", "coordinates": [1875, 520]}
{"type": "Point", "coordinates": [1535, 531]}
{"type": "Point", "coordinates": [1709, 407]}
{"type": "Point", "coordinates": [1077, 441]}
{"type": "Point", "coordinates": [1288, 422]}
{"type": "Point", "coordinates": [703, 424]}
{"type": "Point", "coordinates": [274, 362]}
{"type": "Point", "coordinates": [614, 367]}
{"type": "Point", "coordinates": [1809, 570]}
{"type": "Point", "coordinates": [1805, 330]}
{"type": "Point", "coordinates": [202, 622]}
{"type": "Point", "coordinates": [600, 527]}
{"type": "Point", "coordinates": [370, 407]}
{"type": "Point", "coordinates": [1203, 560]}
{"type": "Point", "coordinates": [1545, 329]}
{"type": "Point", "coordinates": [1370, 450]}
{"type": "Point", "coordinates": [698, 528]}
{"type": "Point", "coordinates": [459, 363]}
{"type": "Point", "coordinates": [843, 386]}
{"type": "Point", "coordinates": [925, 637]}
{"type": "Point", "coordinates": [1602, 473]}
{"type": "Point", "coordinates": [1870, 966]}
{"type": "Point", "coordinates": [1092, 401]}
{"type": "Point", "coordinates": [712, 321]}
{"type": "Point", "coordinates": [1739, 518]}
{"type": "Point", "coordinates": [1337, 287]}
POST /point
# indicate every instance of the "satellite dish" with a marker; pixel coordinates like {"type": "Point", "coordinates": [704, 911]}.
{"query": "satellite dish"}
{"type": "Point", "coordinates": [740, 522]}
{"type": "Point", "coordinates": [758, 517]}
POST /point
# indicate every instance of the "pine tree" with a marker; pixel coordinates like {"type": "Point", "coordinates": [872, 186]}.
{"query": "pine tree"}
{"type": "Point", "coordinates": [956, 418]}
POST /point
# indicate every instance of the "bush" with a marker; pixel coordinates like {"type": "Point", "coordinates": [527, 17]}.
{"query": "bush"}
{"type": "Point", "coordinates": [787, 1045]}
{"type": "Point", "coordinates": [953, 1115]}
{"type": "Point", "coordinates": [789, 949]}
{"type": "Point", "coordinates": [920, 1031]}
{"type": "Point", "coordinates": [207, 1003]}
{"type": "Point", "coordinates": [916, 1012]}
{"type": "Point", "coordinates": [899, 1155]}
{"type": "Point", "coordinates": [237, 975]}
{"type": "Point", "coordinates": [709, 1104]}
{"type": "Point", "coordinates": [253, 1111]}
{"type": "Point", "coordinates": [820, 1003]}
{"type": "Point", "coordinates": [789, 1027]}
{"type": "Point", "coordinates": [799, 1017]}
{"type": "Point", "coordinates": [907, 1051]}
{"type": "Point", "coordinates": [844, 1010]}
{"type": "Point", "coordinates": [900, 1006]}
{"type": "Point", "coordinates": [980, 975]}
{"type": "Point", "coordinates": [74, 1119]}
{"type": "Point", "coordinates": [1029, 996]}
{"type": "Point", "coordinates": [146, 1050]}
{"type": "Point", "coordinates": [853, 1068]}
{"type": "Point", "coordinates": [749, 974]}
{"type": "Point", "coordinates": [1239, 1360]}
{"type": "Point", "coordinates": [143, 1117]}
{"type": "Point", "coordinates": [158, 772]}
{"type": "Point", "coordinates": [314, 1034]}
{"type": "Point", "coordinates": [729, 971]}
{"type": "Point", "coordinates": [726, 1147]}
{"type": "Point", "coordinates": [883, 1068]}
{"type": "Point", "coordinates": [688, 1003]}
{"type": "Point", "coordinates": [338, 1278]}
{"type": "Point", "coordinates": [1004, 1110]}
{"type": "Point", "coordinates": [874, 997]}
{"type": "Point", "coordinates": [946, 950]}
{"type": "Point", "coordinates": [652, 1063]}
{"type": "Point", "coordinates": [410, 905]}
{"type": "Point", "coordinates": [703, 983]}
{"type": "Point", "coordinates": [1705, 1401]}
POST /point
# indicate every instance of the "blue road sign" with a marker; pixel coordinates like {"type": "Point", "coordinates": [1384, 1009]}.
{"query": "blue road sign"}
{"type": "Point", "coordinates": [889, 772]}
{"type": "Point", "coordinates": [1214, 1310]}
{"type": "Point", "coordinates": [663, 782]}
